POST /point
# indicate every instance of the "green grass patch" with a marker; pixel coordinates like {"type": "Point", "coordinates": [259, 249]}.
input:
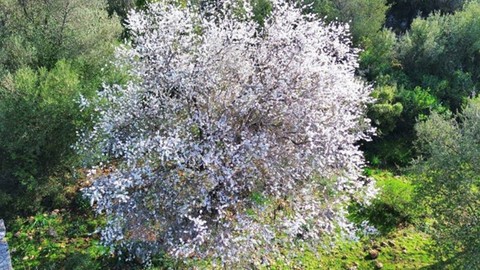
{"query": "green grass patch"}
{"type": "Point", "coordinates": [392, 208]}
{"type": "Point", "coordinates": [56, 240]}
{"type": "Point", "coordinates": [406, 248]}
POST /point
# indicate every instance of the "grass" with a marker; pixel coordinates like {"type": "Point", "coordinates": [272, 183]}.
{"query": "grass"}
{"type": "Point", "coordinates": [393, 206]}
{"type": "Point", "coordinates": [56, 240]}
{"type": "Point", "coordinates": [59, 240]}
{"type": "Point", "coordinates": [406, 248]}
{"type": "Point", "coordinates": [400, 244]}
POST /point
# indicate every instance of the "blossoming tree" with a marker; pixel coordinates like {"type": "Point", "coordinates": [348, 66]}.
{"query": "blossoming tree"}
{"type": "Point", "coordinates": [231, 139]}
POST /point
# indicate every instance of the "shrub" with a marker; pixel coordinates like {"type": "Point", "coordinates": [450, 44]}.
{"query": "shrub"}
{"type": "Point", "coordinates": [392, 208]}
{"type": "Point", "coordinates": [38, 122]}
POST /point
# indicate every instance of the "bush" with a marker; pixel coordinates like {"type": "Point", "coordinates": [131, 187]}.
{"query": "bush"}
{"type": "Point", "coordinates": [392, 208]}
{"type": "Point", "coordinates": [379, 57]}
{"type": "Point", "coordinates": [442, 53]}
{"type": "Point", "coordinates": [366, 17]}
{"type": "Point", "coordinates": [385, 112]}
{"type": "Point", "coordinates": [38, 122]}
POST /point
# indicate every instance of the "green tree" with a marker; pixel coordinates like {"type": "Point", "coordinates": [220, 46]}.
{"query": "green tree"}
{"type": "Point", "coordinates": [38, 120]}
{"type": "Point", "coordinates": [442, 52]}
{"type": "Point", "coordinates": [366, 17]}
{"type": "Point", "coordinates": [436, 66]}
{"type": "Point", "coordinates": [50, 52]}
{"type": "Point", "coordinates": [379, 57]}
{"type": "Point", "coordinates": [403, 12]}
{"type": "Point", "coordinates": [448, 181]}
{"type": "Point", "coordinates": [39, 33]}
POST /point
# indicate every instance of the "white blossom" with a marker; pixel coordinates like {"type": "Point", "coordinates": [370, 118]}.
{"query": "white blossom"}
{"type": "Point", "coordinates": [229, 135]}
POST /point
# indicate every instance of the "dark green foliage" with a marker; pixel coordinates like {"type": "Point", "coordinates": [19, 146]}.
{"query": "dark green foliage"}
{"type": "Point", "coordinates": [396, 128]}
{"type": "Point", "coordinates": [122, 7]}
{"type": "Point", "coordinates": [378, 61]}
{"type": "Point", "coordinates": [39, 117]}
{"type": "Point", "coordinates": [261, 9]}
{"type": "Point", "coordinates": [418, 103]}
{"type": "Point", "coordinates": [50, 52]}
{"type": "Point", "coordinates": [443, 53]}
{"type": "Point", "coordinates": [435, 66]}
{"type": "Point", "coordinates": [402, 12]}
{"type": "Point", "coordinates": [392, 151]}
{"type": "Point", "coordinates": [38, 120]}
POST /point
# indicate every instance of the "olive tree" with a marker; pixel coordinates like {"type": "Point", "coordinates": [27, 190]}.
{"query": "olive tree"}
{"type": "Point", "coordinates": [448, 180]}
{"type": "Point", "coordinates": [40, 33]}
{"type": "Point", "coordinates": [232, 140]}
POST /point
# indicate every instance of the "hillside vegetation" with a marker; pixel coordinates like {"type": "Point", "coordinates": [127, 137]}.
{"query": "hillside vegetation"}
{"type": "Point", "coordinates": [316, 134]}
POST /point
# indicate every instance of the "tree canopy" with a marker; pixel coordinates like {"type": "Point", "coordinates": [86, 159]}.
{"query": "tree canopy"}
{"type": "Point", "coordinates": [448, 180]}
{"type": "Point", "coordinates": [221, 117]}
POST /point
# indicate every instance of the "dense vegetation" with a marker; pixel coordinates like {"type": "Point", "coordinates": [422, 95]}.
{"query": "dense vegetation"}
{"type": "Point", "coordinates": [422, 59]}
